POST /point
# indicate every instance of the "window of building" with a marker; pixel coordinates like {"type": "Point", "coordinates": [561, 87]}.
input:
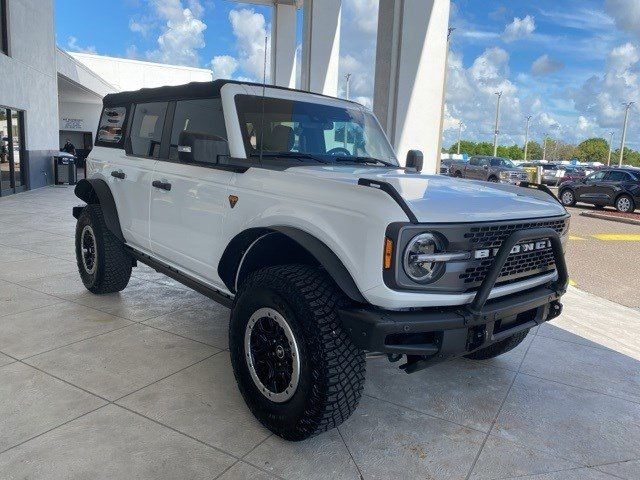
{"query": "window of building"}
{"type": "Point", "coordinates": [11, 151]}
{"type": "Point", "coordinates": [4, 34]}
{"type": "Point", "coordinates": [202, 116]}
{"type": "Point", "coordinates": [146, 129]}
{"type": "Point", "coordinates": [111, 125]}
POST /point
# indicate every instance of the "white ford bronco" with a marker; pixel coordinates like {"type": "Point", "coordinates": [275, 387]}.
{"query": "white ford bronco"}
{"type": "Point", "coordinates": [291, 209]}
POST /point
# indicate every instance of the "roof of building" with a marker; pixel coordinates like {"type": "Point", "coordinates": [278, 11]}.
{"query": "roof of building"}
{"type": "Point", "coordinates": [188, 91]}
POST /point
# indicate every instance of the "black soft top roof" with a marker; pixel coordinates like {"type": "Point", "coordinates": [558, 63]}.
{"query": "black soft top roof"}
{"type": "Point", "coordinates": [191, 90]}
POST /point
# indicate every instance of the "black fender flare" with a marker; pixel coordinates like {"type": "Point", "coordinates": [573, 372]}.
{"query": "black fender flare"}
{"type": "Point", "coordinates": [97, 191]}
{"type": "Point", "coordinates": [232, 260]}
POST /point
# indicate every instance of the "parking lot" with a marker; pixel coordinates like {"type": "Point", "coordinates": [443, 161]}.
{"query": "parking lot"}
{"type": "Point", "coordinates": [139, 384]}
{"type": "Point", "coordinates": [604, 257]}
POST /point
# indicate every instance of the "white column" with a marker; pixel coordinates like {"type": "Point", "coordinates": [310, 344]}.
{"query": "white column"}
{"type": "Point", "coordinates": [283, 45]}
{"type": "Point", "coordinates": [321, 46]}
{"type": "Point", "coordinates": [410, 74]}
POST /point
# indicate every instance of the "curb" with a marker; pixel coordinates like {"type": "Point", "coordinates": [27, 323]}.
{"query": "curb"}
{"type": "Point", "coordinates": [629, 221]}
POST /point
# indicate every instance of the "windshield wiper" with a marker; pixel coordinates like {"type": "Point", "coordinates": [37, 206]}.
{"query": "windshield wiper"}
{"type": "Point", "coordinates": [296, 155]}
{"type": "Point", "coordinates": [366, 160]}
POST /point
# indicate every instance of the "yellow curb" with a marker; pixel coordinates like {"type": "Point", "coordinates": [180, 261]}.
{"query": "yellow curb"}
{"type": "Point", "coordinates": [572, 283]}
{"type": "Point", "coordinates": [574, 237]}
{"type": "Point", "coordinates": [618, 237]}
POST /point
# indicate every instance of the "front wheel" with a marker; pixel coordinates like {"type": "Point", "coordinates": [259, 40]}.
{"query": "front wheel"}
{"type": "Point", "coordinates": [296, 367]}
{"type": "Point", "coordinates": [625, 204]}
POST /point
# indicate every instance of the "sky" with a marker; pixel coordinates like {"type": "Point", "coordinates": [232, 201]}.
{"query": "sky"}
{"type": "Point", "coordinates": [570, 64]}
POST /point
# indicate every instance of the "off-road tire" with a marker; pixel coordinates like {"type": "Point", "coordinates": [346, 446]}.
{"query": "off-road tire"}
{"type": "Point", "coordinates": [499, 348]}
{"type": "Point", "coordinates": [332, 368]}
{"type": "Point", "coordinates": [112, 262]}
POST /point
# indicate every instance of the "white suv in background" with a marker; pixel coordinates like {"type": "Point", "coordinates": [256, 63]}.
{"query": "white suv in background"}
{"type": "Point", "coordinates": [292, 209]}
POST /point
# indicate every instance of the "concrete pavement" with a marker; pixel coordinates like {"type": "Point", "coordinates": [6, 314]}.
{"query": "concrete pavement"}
{"type": "Point", "coordinates": [139, 385]}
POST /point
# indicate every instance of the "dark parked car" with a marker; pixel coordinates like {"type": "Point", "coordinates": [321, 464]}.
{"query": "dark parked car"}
{"type": "Point", "coordinates": [573, 173]}
{"type": "Point", "coordinates": [444, 166]}
{"type": "Point", "coordinates": [616, 187]}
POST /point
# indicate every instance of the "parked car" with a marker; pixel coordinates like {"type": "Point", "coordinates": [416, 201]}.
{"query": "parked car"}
{"type": "Point", "coordinates": [324, 249]}
{"type": "Point", "coordinates": [490, 169]}
{"type": "Point", "coordinates": [445, 164]}
{"type": "Point", "coordinates": [616, 187]}
{"type": "Point", "coordinates": [552, 173]}
{"type": "Point", "coordinates": [573, 173]}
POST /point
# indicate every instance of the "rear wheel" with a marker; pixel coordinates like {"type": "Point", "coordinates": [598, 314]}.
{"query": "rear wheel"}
{"type": "Point", "coordinates": [625, 204]}
{"type": "Point", "coordinates": [498, 348]}
{"type": "Point", "coordinates": [568, 198]}
{"type": "Point", "coordinates": [296, 367]}
{"type": "Point", "coordinates": [103, 263]}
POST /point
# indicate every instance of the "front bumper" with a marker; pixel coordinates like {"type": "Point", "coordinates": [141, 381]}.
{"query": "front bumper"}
{"type": "Point", "coordinates": [437, 334]}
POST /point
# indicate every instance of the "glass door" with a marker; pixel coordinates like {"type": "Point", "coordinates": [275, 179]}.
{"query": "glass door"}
{"type": "Point", "coordinates": [11, 151]}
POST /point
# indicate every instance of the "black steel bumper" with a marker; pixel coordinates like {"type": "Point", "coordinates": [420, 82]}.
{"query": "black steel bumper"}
{"type": "Point", "coordinates": [438, 334]}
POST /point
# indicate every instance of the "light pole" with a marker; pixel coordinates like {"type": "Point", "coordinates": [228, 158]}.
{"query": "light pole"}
{"type": "Point", "coordinates": [347, 78]}
{"type": "Point", "coordinates": [544, 148]}
{"type": "Point", "coordinates": [624, 131]}
{"type": "Point", "coordinates": [459, 136]}
{"type": "Point", "coordinates": [526, 138]}
{"type": "Point", "coordinates": [610, 149]}
{"type": "Point", "coordinates": [497, 129]}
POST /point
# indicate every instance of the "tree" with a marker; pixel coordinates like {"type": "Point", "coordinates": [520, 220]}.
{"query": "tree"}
{"type": "Point", "coordinates": [466, 146]}
{"type": "Point", "coordinates": [534, 151]}
{"type": "Point", "coordinates": [631, 157]}
{"type": "Point", "coordinates": [484, 148]}
{"type": "Point", "coordinates": [593, 150]}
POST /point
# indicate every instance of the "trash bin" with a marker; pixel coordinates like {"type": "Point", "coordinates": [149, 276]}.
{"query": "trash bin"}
{"type": "Point", "coordinates": [65, 172]}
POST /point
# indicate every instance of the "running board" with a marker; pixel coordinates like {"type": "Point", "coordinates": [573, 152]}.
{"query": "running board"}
{"type": "Point", "coordinates": [210, 292]}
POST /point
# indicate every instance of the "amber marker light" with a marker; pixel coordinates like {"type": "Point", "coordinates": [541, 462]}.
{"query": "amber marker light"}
{"type": "Point", "coordinates": [388, 253]}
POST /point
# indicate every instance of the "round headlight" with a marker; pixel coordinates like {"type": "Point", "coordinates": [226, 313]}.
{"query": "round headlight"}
{"type": "Point", "coordinates": [416, 268]}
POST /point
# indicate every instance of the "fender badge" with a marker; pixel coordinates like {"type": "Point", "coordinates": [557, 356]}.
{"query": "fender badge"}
{"type": "Point", "coordinates": [233, 200]}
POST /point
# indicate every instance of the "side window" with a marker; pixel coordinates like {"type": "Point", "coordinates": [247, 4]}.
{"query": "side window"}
{"type": "Point", "coordinates": [596, 177]}
{"type": "Point", "coordinates": [474, 161]}
{"type": "Point", "coordinates": [203, 117]}
{"type": "Point", "coordinates": [614, 176]}
{"type": "Point", "coordinates": [111, 125]}
{"type": "Point", "coordinates": [146, 129]}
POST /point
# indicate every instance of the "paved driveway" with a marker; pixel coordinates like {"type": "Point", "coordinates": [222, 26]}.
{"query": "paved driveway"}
{"type": "Point", "coordinates": [138, 385]}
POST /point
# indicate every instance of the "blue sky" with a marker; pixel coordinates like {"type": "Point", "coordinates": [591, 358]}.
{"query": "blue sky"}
{"type": "Point", "coordinates": [570, 64]}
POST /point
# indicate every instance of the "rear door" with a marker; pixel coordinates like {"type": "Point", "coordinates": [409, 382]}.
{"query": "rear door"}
{"type": "Point", "coordinates": [612, 184]}
{"type": "Point", "coordinates": [190, 201]}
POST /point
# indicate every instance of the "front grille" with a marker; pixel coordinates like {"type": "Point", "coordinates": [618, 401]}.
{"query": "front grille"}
{"type": "Point", "coordinates": [518, 265]}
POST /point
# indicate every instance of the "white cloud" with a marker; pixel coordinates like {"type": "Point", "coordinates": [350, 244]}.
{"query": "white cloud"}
{"type": "Point", "coordinates": [545, 65]}
{"type": "Point", "coordinates": [600, 98]}
{"type": "Point", "coordinates": [183, 32]}
{"type": "Point", "coordinates": [141, 26]}
{"type": "Point", "coordinates": [250, 30]}
{"type": "Point", "coordinates": [626, 14]}
{"type": "Point", "coordinates": [224, 66]}
{"type": "Point", "coordinates": [72, 45]}
{"type": "Point", "coordinates": [519, 29]}
{"type": "Point", "coordinates": [365, 13]}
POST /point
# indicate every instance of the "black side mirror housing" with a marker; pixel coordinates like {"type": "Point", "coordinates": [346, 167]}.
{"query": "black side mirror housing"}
{"type": "Point", "coordinates": [195, 147]}
{"type": "Point", "coordinates": [415, 159]}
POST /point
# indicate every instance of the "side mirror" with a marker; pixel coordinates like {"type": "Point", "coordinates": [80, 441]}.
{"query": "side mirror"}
{"type": "Point", "coordinates": [415, 159]}
{"type": "Point", "coordinates": [197, 147]}
{"type": "Point", "coordinates": [486, 167]}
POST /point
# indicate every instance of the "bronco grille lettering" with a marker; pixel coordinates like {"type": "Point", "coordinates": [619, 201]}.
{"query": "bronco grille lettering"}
{"type": "Point", "coordinates": [520, 248]}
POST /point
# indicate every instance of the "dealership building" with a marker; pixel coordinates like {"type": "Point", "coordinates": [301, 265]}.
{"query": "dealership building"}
{"type": "Point", "coordinates": [48, 96]}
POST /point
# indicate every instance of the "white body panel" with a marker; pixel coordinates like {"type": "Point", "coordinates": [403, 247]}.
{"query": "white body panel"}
{"type": "Point", "coordinates": [191, 225]}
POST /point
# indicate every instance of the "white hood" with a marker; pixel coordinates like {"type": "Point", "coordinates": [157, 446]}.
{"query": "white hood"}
{"type": "Point", "coordinates": [439, 199]}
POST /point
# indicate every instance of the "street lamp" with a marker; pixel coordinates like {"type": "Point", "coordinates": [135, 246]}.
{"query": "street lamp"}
{"type": "Point", "coordinates": [347, 78]}
{"type": "Point", "coordinates": [459, 136]}
{"type": "Point", "coordinates": [624, 131]}
{"type": "Point", "coordinates": [526, 137]}
{"type": "Point", "coordinates": [610, 149]}
{"type": "Point", "coordinates": [497, 129]}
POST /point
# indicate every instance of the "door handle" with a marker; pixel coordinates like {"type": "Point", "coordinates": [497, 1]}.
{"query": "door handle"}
{"type": "Point", "coordinates": [118, 174]}
{"type": "Point", "coordinates": [161, 185]}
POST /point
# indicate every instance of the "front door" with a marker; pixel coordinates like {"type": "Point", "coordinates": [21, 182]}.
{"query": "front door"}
{"type": "Point", "coordinates": [11, 151]}
{"type": "Point", "coordinates": [591, 189]}
{"type": "Point", "coordinates": [189, 201]}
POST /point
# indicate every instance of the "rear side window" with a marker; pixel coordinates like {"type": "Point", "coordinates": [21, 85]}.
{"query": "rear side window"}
{"type": "Point", "coordinates": [617, 177]}
{"type": "Point", "coordinates": [146, 129]}
{"type": "Point", "coordinates": [202, 116]}
{"type": "Point", "coordinates": [111, 127]}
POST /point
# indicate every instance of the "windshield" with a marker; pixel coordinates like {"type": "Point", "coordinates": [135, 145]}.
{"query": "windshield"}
{"type": "Point", "coordinates": [323, 132]}
{"type": "Point", "coordinates": [502, 162]}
